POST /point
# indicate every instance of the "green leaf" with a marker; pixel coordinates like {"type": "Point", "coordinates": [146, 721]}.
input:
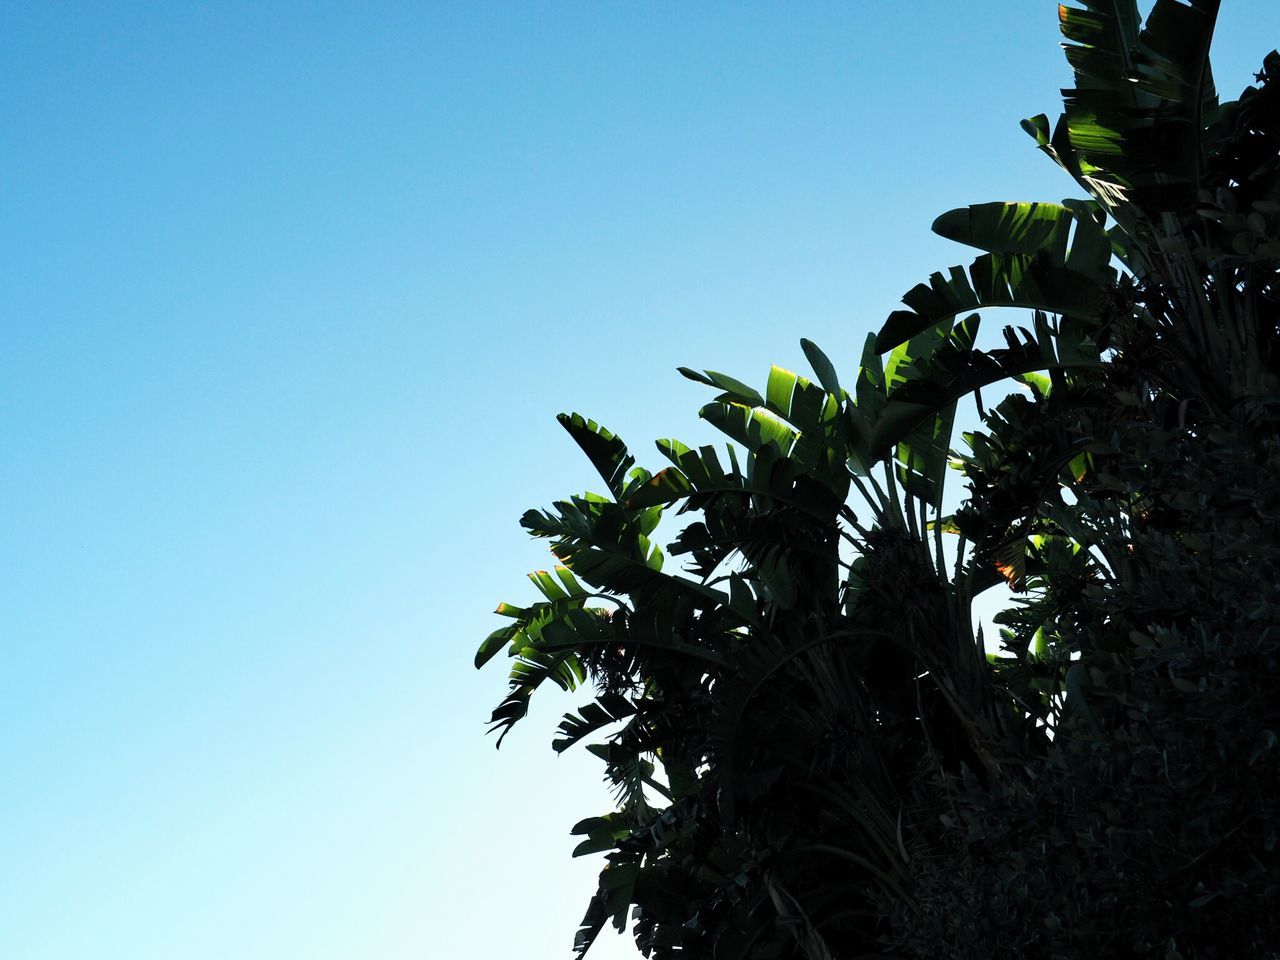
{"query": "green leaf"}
{"type": "Point", "coordinates": [1036, 282]}
{"type": "Point", "coordinates": [860, 418]}
{"type": "Point", "coordinates": [548, 585]}
{"type": "Point", "coordinates": [754, 428]}
{"type": "Point", "coordinates": [666, 486]}
{"type": "Point", "coordinates": [602, 834]}
{"type": "Point", "coordinates": [822, 367]}
{"type": "Point", "coordinates": [1025, 228]}
{"type": "Point", "coordinates": [607, 708]}
{"type": "Point", "coordinates": [607, 453]}
{"type": "Point", "coordinates": [493, 643]}
{"type": "Point", "coordinates": [734, 390]}
{"type": "Point", "coordinates": [802, 404]}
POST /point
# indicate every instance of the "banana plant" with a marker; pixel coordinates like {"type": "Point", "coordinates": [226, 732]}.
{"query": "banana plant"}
{"type": "Point", "coordinates": [1171, 266]}
{"type": "Point", "coordinates": [782, 717]}
{"type": "Point", "coordinates": [765, 675]}
{"type": "Point", "coordinates": [1188, 181]}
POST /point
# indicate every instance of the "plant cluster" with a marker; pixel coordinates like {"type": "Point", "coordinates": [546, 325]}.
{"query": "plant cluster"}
{"type": "Point", "coordinates": [813, 753]}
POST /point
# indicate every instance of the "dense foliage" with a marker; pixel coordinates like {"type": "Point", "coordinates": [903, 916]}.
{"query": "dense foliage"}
{"type": "Point", "coordinates": [813, 754]}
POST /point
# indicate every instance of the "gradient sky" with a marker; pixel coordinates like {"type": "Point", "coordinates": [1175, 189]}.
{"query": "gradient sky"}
{"type": "Point", "coordinates": [289, 297]}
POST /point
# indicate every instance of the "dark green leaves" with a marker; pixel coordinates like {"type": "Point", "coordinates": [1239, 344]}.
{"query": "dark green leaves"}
{"type": "Point", "coordinates": [805, 739]}
{"type": "Point", "coordinates": [1071, 233]}
{"type": "Point", "coordinates": [606, 452]}
{"type": "Point", "coordinates": [608, 708]}
{"type": "Point", "coordinates": [1035, 282]}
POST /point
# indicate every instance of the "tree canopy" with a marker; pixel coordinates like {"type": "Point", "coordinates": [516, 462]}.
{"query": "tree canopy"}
{"type": "Point", "coordinates": [813, 753]}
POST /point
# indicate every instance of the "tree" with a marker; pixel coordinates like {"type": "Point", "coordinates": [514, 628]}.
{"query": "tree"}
{"type": "Point", "coordinates": [813, 754]}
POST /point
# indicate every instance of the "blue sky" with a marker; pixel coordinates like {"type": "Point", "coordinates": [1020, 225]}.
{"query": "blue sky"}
{"type": "Point", "coordinates": [291, 295]}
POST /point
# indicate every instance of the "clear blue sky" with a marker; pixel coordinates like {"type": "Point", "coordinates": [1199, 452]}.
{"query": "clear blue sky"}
{"type": "Point", "coordinates": [289, 297]}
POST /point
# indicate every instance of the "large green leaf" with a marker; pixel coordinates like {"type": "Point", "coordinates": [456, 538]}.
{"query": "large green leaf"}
{"type": "Point", "coordinates": [735, 391]}
{"type": "Point", "coordinates": [753, 427]}
{"type": "Point", "coordinates": [608, 708]}
{"type": "Point", "coordinates": [823, 367]}
{"type": "Point", "coordinates": [607, 453]}
{"type": "Point", "coordinates": [1034, 282]}
{"type": "Point", "coordinates": [1132, 128]}
{"type": "Point", "coordinates": [1030, 228]}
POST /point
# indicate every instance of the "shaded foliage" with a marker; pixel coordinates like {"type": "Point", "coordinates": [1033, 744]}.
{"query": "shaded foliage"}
{"type": "Point", "coordinates": [812, 753]}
